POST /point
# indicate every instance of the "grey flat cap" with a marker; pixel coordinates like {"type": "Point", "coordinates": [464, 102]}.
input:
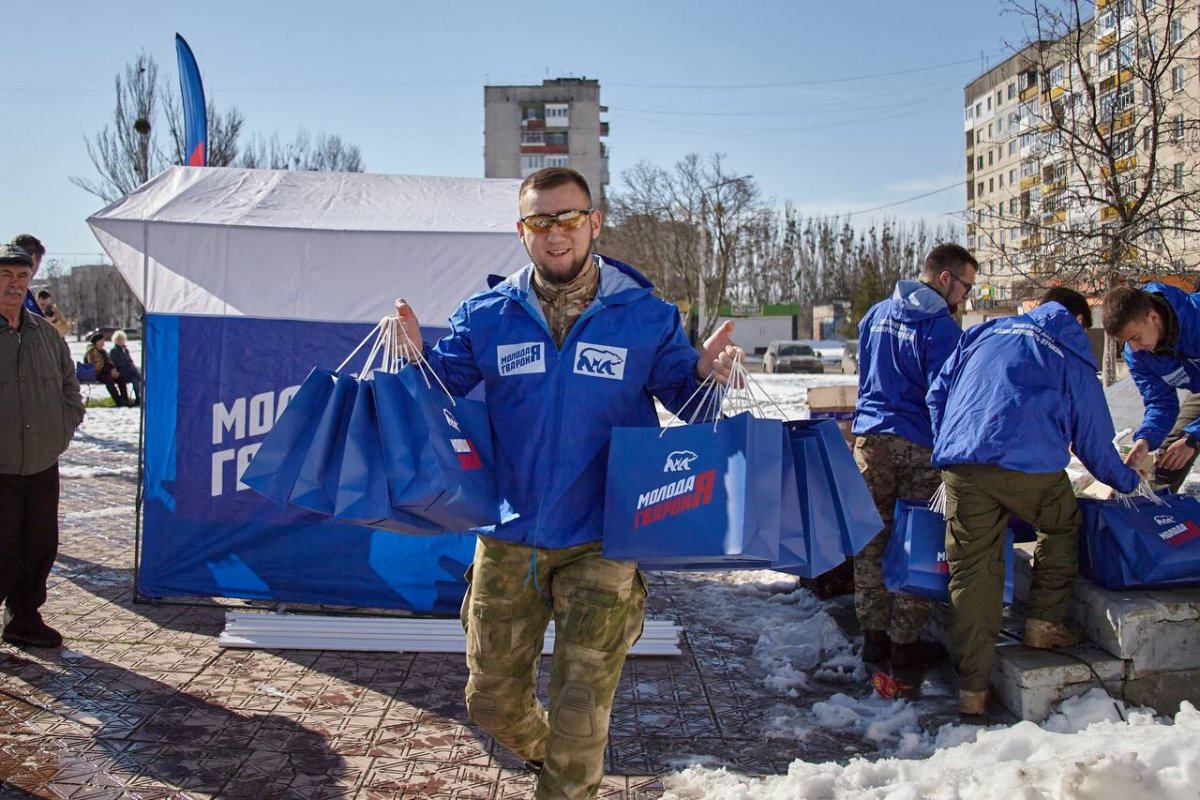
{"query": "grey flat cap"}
{"type": "Point", "coordinates": [11, 254]}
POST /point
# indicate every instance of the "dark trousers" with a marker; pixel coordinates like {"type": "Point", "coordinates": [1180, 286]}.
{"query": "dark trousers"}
{"type": "Point", "coordinates": [28, 539]}
{"type": "Point", "coordinates": [118, 392]}
{"type": "Point", "coordinates": [979, 498]}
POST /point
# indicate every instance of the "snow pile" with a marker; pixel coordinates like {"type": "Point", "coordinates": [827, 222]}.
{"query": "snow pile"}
{"type": "Point", "coordinates": [1083, 752]}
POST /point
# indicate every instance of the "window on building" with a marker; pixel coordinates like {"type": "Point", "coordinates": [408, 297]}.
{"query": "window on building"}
{"type": "Point", "coordinates": [1001, 180]}
{"type": "Point", "coordinates": [991, 158]}
{"type": "Point", "coordinates": [978, 162]}
{"type": "Point", "coordinates": [979, 109]}
{"type": "Point", "coordinates": [1012, 90]}
{"type": "Point", "coordinates": [1177, 128]}
{"type": "Point", "coordinates": [1012, 176]}
{"type": "Point", "coordinates": [558, 161]}
{"type": "Point", "coordinates": [1179, 220]}
{"type": "Point", "coordinates": [970, 242]}
{"type": "Point", "coordinates": [1148, 137]}
{"type": "Point", "coordinates": [991, 185]}
{"type": "Point", "coordinates": [1055, 78]}
{"type": "Point", "coordinates": [1012, 206]}
{"type": "Point", "coordinates": [1012, 147]}
{"type": "Point", "coordinates": [979, 188]}
{"type": "Point", "coordinates": [999, 98]}
{"type": "Point", "coordinates": [1121, 143]}
{"type": "Point", "coordinates": [1029, 168]}
{"type": "Point", "coordinates": [989, 102]}
{"type": "Point", "coordinates": [1177, 176]}
{"type": "Point", "coordinates": [1177, 78]}
{"type": "Point", "coordinates": [1176, 30]}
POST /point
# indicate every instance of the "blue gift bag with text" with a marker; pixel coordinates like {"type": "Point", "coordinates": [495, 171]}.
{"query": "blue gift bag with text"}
{"type": "Point", "coordinates": [699, 496]}
{"type": "Point", "coordinates": [450, 443]}
{"type": "Point", "coordinates": [1152, 544]}
{"type": "Point", "coordinates": [274, 468]}
{"type": "Point", "coordinates": [914, 561]}
{"type": "Point", "coordinates": [858, 519]}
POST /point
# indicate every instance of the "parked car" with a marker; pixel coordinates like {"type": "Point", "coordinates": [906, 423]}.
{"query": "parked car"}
{"type": "Point", "coordinates": [850, 358]}
{"type": "Point", "coordinates": [830, 351]}
{"type": "Point", "coordinates": [791, 356]}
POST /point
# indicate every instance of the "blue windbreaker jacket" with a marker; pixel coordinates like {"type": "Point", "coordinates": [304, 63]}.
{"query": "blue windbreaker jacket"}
{"type": "Point", "coordinates": [1158, 376]}
{"type": "Point", "coordinates": [551, 409]}
{"type": "Point", "coordinates": [1018, 392]}
{"type": "Point", "coordinates": [902, 344]}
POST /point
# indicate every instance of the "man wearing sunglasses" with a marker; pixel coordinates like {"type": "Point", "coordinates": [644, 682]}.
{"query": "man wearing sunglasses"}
{"type": "Point", "coordinates": [569, 347]}
{"type": "Point", "coordinates": [902, 343]}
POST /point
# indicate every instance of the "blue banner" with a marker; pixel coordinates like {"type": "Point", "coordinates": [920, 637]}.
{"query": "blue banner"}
{"type": "Point", "coordinates": [195, 115]}
{"type": "Point", "coordinates": [215, 386]}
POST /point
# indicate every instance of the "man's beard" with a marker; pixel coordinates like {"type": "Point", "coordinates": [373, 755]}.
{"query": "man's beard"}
{"type": "Point", "coordinates": [559, 279]}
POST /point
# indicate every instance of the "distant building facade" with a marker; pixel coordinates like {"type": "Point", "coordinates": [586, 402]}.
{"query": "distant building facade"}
{"type": "Point", "coordinates": [557, 124]}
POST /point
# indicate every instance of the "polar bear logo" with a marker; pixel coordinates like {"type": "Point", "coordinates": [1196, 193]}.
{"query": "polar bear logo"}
{"type": "Point", "coordinates": [679, 461]}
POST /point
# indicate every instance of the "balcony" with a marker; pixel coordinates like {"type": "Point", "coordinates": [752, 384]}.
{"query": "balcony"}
{"type": "Point", "coordinates": [1129, 162]}
{"type": "Point", "coordinates": [1054, 217]}
{"type": "Point", "coordinates": [1030, 182]}
{"type": "Point", "coordinates": [1028, 93]}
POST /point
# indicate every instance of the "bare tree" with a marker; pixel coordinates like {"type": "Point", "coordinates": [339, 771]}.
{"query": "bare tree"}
{"type": "Point", "coordinates": [1111, 132]}
{"type": "Point", "coordinates": [688, 228]}
{"type": "Point", "coordinates": [129, 151]}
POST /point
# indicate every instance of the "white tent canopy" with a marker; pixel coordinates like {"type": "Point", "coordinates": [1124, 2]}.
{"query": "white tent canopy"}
{"type": "Point", "coordinates": [321, 246]}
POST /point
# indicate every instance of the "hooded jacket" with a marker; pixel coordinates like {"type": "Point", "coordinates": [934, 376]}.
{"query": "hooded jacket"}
{"type": "Point", "coordinates": [1018, 392]}
{"type": "Point", "coordinates": [1159, 375]}
{"type": "Point", "coordinates": [552, 408]}
{"type": "Point", "coordinates": [902, 343]}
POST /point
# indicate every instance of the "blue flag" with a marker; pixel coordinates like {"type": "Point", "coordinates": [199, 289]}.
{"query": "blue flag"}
{"type": "Point", "coordinates": [195, 117]}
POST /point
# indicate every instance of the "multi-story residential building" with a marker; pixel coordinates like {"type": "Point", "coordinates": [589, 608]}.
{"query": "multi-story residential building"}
{"type": "Point", "coordinates": [1048, 129]}
{"type": "Point", "coordinates": [556, 124]}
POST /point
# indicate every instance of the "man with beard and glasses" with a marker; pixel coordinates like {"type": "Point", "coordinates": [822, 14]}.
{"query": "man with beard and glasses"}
{"type": "Point", "coordinates": [902, 343]}
{"type": "Point", "coordinates": [569, 347]}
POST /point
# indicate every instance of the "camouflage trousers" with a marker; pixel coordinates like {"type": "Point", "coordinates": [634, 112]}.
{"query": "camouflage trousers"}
{"type": "Point", "coordinates": [893, 468]}
{"type": "Point", "coordinates": [597, 606]}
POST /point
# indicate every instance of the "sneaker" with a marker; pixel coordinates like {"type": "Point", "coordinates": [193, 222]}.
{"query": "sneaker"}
{"type": "Point", "coordinates": [972, 704]}
{"type": "Point", "coordinates": [1049, 635]}
{"type": "Point", "coordinates": [877, 647]}
{"type": "Point", "coordinates": [916, 654]}
{"type": "Point", "coordinates": [34, 634]}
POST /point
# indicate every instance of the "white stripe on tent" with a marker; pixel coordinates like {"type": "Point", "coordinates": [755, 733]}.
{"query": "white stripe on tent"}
{"type": "Point", "coordinates": [249, 629]}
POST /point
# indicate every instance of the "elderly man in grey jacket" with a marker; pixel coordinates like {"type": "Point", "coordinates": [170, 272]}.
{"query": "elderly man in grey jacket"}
{"type": "Point", "coordinates": [40, 407]}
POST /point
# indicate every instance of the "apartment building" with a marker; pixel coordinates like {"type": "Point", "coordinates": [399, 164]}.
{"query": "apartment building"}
{"type": "Point", "coordinates": [1041, 196]}
{"type": "Point", "coordinates": [556, 124]}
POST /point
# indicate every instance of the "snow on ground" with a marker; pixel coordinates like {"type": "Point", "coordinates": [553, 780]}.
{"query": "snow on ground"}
{"type": "Point", "coordinates": [1084, 751]}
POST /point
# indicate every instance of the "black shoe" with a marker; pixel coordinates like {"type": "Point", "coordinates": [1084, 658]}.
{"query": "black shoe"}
{"type": "Point", "coordinates": [533, 766]}
{"type": "Point", "coordinates": [876, 647]}
{"type": "Point", "coordinates": [916, 654]}
{"type": "Point", "coordinates": [32, 634]}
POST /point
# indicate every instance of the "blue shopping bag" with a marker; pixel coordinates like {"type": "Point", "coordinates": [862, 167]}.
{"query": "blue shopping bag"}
{"type": "Point", "coordinates": [449, 441]}
{"type": "Point", "coordinates": [274, 468]}
{"type": "Point", "coordinates": [699, 496]}
{"type": "Point", "coordinates": [1157, 545]}
{"type": "Point", "coordinates": [317, 482]}
{"type": "Point", "coordinates": [817, 548]}
{"type": "Point", "coordinates": [362, 488]}
{"type": "Point", "coordinates": [914, 561]}
{"type": "Point", "coordinates": [858, 519]}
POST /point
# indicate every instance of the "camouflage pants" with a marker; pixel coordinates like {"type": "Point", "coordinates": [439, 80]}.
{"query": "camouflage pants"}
{"type": "Point", "coordinates": [893, 468]}
{"type": "Point", "coordinates": [598, 607]}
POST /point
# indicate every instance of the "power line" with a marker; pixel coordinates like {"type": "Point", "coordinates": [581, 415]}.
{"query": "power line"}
{"type": "Point", "coordinates": [906, 200]}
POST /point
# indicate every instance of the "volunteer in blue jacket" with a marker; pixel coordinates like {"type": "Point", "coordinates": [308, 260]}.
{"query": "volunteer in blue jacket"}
{"type": "Point", "coordinates": [902, 344]}
{"type": "Point", "coordinates": [1160, 328]}
{"type": "Point", "coordinates": [568, 347]}
{"type": "Point", "coordinates": [1017, 394]}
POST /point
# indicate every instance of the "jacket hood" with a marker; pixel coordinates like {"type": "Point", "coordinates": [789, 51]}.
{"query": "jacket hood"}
{"type": "Point", "coordinates": [1061, 325]}
{"type": "Point", "coordinates": [616, 279]}
{"type": "Point", "coordinates": [913, 301]}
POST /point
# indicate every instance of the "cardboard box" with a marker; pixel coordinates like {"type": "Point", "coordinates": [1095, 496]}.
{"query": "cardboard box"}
{"type": "Point", "coordinates": [836, 403]}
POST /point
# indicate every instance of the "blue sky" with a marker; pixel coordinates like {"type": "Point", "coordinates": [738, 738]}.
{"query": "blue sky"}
{"type": "Point", "coordinates": [834, 106]}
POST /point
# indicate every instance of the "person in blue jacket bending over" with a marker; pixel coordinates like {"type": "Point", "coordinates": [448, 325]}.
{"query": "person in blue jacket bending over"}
{"type": "Point", "coordinates": [1160, 328]}
{"type": "Point", "coordinates": [1007, 407]}
{"type": "Point", "coordinates": [569, 347]}
{"type": "Point", "coordinates": [902, 343]}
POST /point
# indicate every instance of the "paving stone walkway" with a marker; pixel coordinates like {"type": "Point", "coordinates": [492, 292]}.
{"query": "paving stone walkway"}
{"type": "Point", "coordinates": [142, 703]}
